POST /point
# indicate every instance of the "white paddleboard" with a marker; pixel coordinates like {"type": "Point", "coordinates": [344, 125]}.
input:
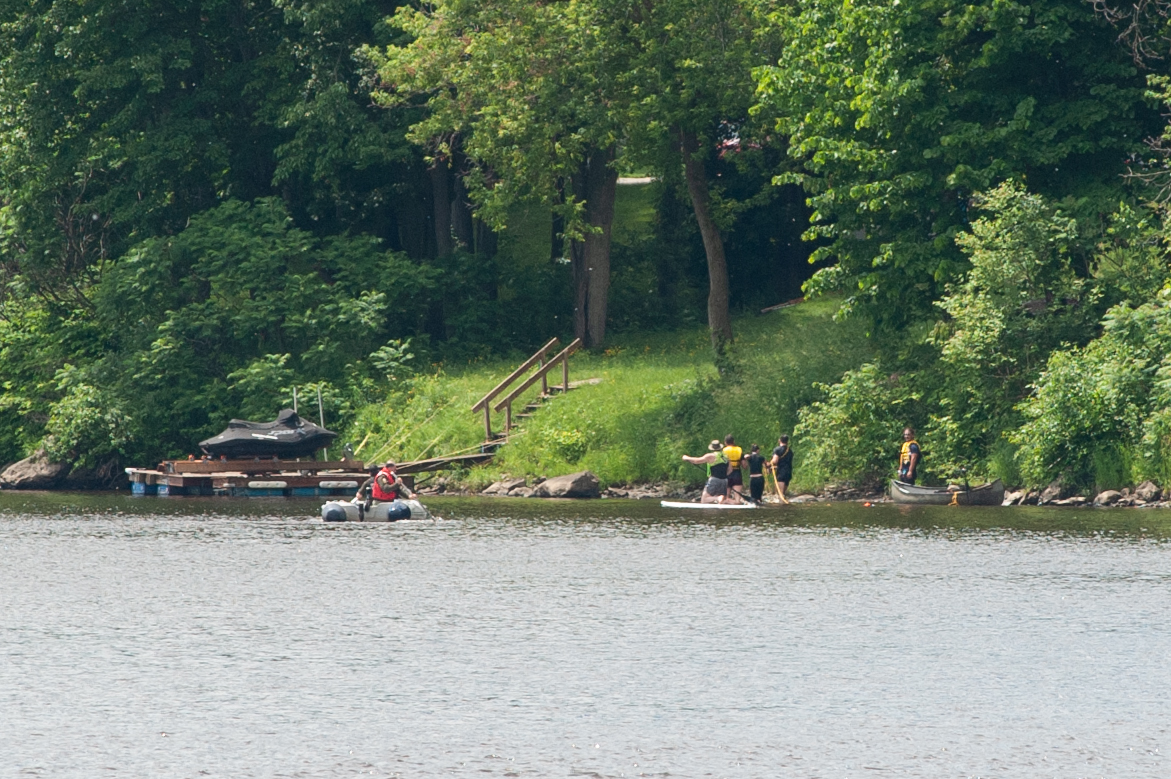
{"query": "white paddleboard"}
{"type": "Point", "coordinates": [671, 504]}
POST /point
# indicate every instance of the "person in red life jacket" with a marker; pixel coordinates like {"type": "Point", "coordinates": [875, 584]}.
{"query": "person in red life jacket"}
{"type": "Point", "coordinates": [388, 486]}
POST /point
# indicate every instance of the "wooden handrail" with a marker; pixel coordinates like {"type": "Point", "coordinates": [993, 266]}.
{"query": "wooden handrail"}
{"type": "Point", "coordinates": [484, 401]}
{"type": "Point", "coordinates": [561, 357]}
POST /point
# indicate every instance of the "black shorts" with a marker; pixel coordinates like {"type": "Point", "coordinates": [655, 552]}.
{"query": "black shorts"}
{"type": "Point", "coordinates": [785, 475]}
{"type": "Point", "coordinates": [716, 487]}
{"type": "Point", "coordinates": [736, 478]}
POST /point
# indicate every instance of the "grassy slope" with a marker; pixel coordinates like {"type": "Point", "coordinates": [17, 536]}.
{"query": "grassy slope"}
{"type": "Point", "coordinates": [659, 397]}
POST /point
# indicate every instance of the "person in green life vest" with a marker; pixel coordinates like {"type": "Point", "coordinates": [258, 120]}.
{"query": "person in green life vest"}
{"type": "Point", "coordinates": [909, 457]}
{"type": "Point", "coordinates": [716, 488]}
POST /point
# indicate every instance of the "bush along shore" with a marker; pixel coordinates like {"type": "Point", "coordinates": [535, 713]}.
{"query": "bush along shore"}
{"type": "Point", "coordinates": [648, 399]}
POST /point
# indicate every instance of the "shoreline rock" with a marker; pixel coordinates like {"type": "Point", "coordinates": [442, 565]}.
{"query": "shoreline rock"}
{"type": "Point", "coordinates": [33, 473]}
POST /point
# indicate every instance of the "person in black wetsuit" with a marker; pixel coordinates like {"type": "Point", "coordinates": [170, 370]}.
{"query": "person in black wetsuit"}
{"type": "Point", "coordinates": [782, 465]}
{"type": "Point", "coordinates": [755, 474]}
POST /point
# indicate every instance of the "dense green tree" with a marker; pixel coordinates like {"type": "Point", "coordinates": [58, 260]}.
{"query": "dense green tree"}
{"type": "Point", "coordinates": [692, 77]}
{"type": "Point", "coordinates": [901, 111]}
{"type": "Point", "coordinates": [224, 318]}
{"type": "Point", "coordinates": [1018, 302]}
{"type": "Point", "coordinates": [120, 125]}
{"type": "Point", "coordinates": [528, 94]}
{"type": "Point", "coordinates": [119, 121]}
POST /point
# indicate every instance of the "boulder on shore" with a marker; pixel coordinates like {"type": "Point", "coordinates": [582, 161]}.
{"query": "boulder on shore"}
{"type": "Point", "coordinates": [1107, 498]}
{"type": "Point", "coordinates": [33, 473]}
{"type": "Point", "coordinates": [574, 485]}
{"type": "Point", "coordinates": [504, 486]}
{"type": "Point", "coordinates": [1147, 492]}
{"type": "Point", "coordinates": [1051, 493]}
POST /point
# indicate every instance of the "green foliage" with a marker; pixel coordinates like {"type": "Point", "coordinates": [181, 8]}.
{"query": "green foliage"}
{"type": "Point", "coordinates": [1019, 301]}
{"type": "Point", "coordinates": [1131, 263]}
{"type": "Point", "coordinates": [1099, 400]}
{"type": "Point", "coordinates": [222, 319]}
{"type": "Point", "coordinates": [525, 90]}
{"type": "Point", "coordinates": [570, 445]}
{"type": "Point", "coordinates": [899, 112]}
{"type": "Point", "coordinates": [121, 121]}
{"type": "Point", "coordinates": [853, 434]}
{"type": "Point", "coordinates": [87, 424]}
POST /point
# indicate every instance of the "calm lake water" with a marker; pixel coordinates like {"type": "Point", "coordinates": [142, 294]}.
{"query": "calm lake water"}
{"type": "Point", "coordinates": [210, 637]}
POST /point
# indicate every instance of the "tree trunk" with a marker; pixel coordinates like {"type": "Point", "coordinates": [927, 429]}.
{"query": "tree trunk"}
{"type": "Point", "coordinates": [597, 185]}
{"type": "Point", "coordinates": [461, 208]}
{"type": "Point", "coordinates": [719, 318]}
{"type": "Point", "coordinates": [557, 228]}
{"type": "Point", "coordinates": [441, 206]}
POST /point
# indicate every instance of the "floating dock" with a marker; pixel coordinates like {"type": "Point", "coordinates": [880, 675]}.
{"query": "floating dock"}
{"type": "Point", "coordinates": [249, 478]}
{"type": "Point", "coordinates": [259, 478]}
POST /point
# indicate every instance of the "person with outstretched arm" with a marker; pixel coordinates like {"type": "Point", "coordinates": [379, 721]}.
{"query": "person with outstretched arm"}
{"type": "Point", "coordinates": [909, 457]}
{"type": "Point", "coordinates": [716, 488]}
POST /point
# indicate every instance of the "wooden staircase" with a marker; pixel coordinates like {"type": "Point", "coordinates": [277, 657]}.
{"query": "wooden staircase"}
{"type": "Point", "coordinates": [543, 364]}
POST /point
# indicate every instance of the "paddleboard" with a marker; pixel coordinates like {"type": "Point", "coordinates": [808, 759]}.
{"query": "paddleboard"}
{"type": "Point", "coordinates": [671, 504]}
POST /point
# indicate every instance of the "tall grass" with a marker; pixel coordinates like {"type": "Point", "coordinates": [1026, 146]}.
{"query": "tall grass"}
{"type": "Point", "coordinates": [659, 397]}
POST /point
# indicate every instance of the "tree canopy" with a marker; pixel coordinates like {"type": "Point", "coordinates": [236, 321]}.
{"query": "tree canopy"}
{"type": "Point", "coordinates": [204, 204]}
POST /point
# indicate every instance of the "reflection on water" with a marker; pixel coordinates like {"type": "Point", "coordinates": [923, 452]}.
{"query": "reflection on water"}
{"type": "Point", "coordinates": [192, 637]}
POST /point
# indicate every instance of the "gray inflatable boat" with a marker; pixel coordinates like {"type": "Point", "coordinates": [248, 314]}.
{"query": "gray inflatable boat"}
{"type": "Point", "coordinates": [392, 511]}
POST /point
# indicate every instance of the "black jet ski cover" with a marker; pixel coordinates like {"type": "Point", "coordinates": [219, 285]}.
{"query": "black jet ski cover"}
{"type": "Point", "coordinates": [289, 436]}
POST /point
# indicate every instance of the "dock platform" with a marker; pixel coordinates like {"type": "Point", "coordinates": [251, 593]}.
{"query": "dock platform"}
{"type": "Point", "coordinates": [249, 478]}
{"type": "Point", "coordinates": [275, 478]}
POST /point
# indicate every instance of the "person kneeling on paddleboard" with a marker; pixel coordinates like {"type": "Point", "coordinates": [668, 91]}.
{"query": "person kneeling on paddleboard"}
{"type": "Point", "coordinates": [388, 486]}
{"type": "Point", "coordinates": [716, 488]}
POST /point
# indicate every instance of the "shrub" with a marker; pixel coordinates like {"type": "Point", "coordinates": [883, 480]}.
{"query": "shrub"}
{"type": "Point", "coordinates": [853, 435]}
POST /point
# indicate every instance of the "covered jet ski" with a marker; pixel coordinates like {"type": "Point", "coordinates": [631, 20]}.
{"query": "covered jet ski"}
{"type": "Point", "coordinates": [288, 436]}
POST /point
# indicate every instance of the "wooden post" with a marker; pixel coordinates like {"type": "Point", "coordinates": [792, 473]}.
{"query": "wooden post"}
{"type": "Point", "coordinates": [565, 375]}
{"type": "Point", "coordinates": [487, 423]}
{"type": "Point", "coordinates": [508, 418]}
{"type": "Point", "coordinates": [544, 379]}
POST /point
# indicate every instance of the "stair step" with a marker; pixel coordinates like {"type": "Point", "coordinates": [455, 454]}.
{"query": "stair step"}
{"type": "Point", "coordinates": [522, 416]}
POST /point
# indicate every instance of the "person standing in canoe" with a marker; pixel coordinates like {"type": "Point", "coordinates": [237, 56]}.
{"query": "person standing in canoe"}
{"type": "Point", "coordinates": [735, 457]}
{"type": "Point", "coordinates": [909, 457]}
{"type": "Point", "coordinates": [782, 465]}
{"type": "Point", "coordinates": [716, 488]}
{"type": "Point", "coordinates": [755, 474]}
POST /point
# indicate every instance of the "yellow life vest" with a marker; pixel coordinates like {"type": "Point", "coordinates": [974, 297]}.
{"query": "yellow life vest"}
{"type": "Point", "coordinates": [734, 455]}
{"type": "Point", "coordinates": [905, 452]}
